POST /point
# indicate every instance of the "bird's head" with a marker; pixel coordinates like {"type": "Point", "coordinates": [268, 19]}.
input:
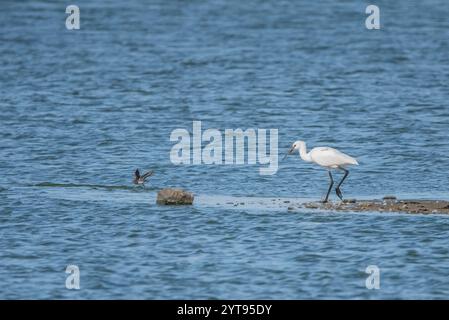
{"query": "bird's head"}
{"type": "Point", "coordinates": [295, 146]}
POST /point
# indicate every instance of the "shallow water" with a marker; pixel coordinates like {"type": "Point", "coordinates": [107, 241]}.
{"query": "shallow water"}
{"type": "Point", "coordinates": [80, 110]}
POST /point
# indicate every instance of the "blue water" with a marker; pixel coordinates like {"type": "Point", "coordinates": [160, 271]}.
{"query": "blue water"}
{"type": "Point", "coordinates": [80, 110]}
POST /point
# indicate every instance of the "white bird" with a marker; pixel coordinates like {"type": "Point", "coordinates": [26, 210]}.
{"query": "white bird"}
{"type": "Point", "coordinates": [328, 158]}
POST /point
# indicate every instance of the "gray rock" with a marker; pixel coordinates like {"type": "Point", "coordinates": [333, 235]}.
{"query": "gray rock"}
{"type": "Point", "coordinates": [174, 197]}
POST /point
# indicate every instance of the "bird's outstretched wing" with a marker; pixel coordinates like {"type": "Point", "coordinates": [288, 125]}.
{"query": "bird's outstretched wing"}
{"type": "Point", "coordinates": [147, 174]}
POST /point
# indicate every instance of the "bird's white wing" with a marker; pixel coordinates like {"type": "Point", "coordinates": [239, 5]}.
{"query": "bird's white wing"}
{"type": "Point", "coordinates": [330, 157]}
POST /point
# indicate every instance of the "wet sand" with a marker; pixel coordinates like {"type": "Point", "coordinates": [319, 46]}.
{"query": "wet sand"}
{"type": "Point", "coordinates": [387, 204]}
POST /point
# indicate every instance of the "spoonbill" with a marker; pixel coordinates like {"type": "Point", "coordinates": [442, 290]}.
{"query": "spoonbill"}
{"type": "Point", "coordinates": [325, 157]}
{"type": "Point", "coordinates": [140, 179]}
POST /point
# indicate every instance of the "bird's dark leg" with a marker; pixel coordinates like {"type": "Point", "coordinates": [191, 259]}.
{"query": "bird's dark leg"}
{"type": "Point", "coordinates": [337, 190]}
{"type": "Point", "coordinates": [330, 187]}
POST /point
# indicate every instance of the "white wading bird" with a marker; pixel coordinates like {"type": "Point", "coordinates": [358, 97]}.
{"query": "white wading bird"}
{"type": "Point", "coordinates": [328, 158]}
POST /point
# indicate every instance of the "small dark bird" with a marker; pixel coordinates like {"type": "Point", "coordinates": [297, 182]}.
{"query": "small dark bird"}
{"type": "Point", "coordinates": [140, 179]}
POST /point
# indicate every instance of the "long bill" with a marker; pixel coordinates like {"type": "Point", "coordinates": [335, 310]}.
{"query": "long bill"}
{"type": "Point", "coordinates": [290, 151]}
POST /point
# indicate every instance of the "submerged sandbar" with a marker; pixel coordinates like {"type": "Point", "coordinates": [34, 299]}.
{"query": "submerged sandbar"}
{"type": "Point", "coordinates": [387, 204]}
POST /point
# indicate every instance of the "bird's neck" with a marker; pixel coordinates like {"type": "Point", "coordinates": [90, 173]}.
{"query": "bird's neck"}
{"type": "Point", "coordinates": [303, 153]}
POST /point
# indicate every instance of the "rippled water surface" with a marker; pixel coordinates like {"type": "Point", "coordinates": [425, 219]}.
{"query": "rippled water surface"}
{"type": "Point", "coordinates": [80, 110]}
